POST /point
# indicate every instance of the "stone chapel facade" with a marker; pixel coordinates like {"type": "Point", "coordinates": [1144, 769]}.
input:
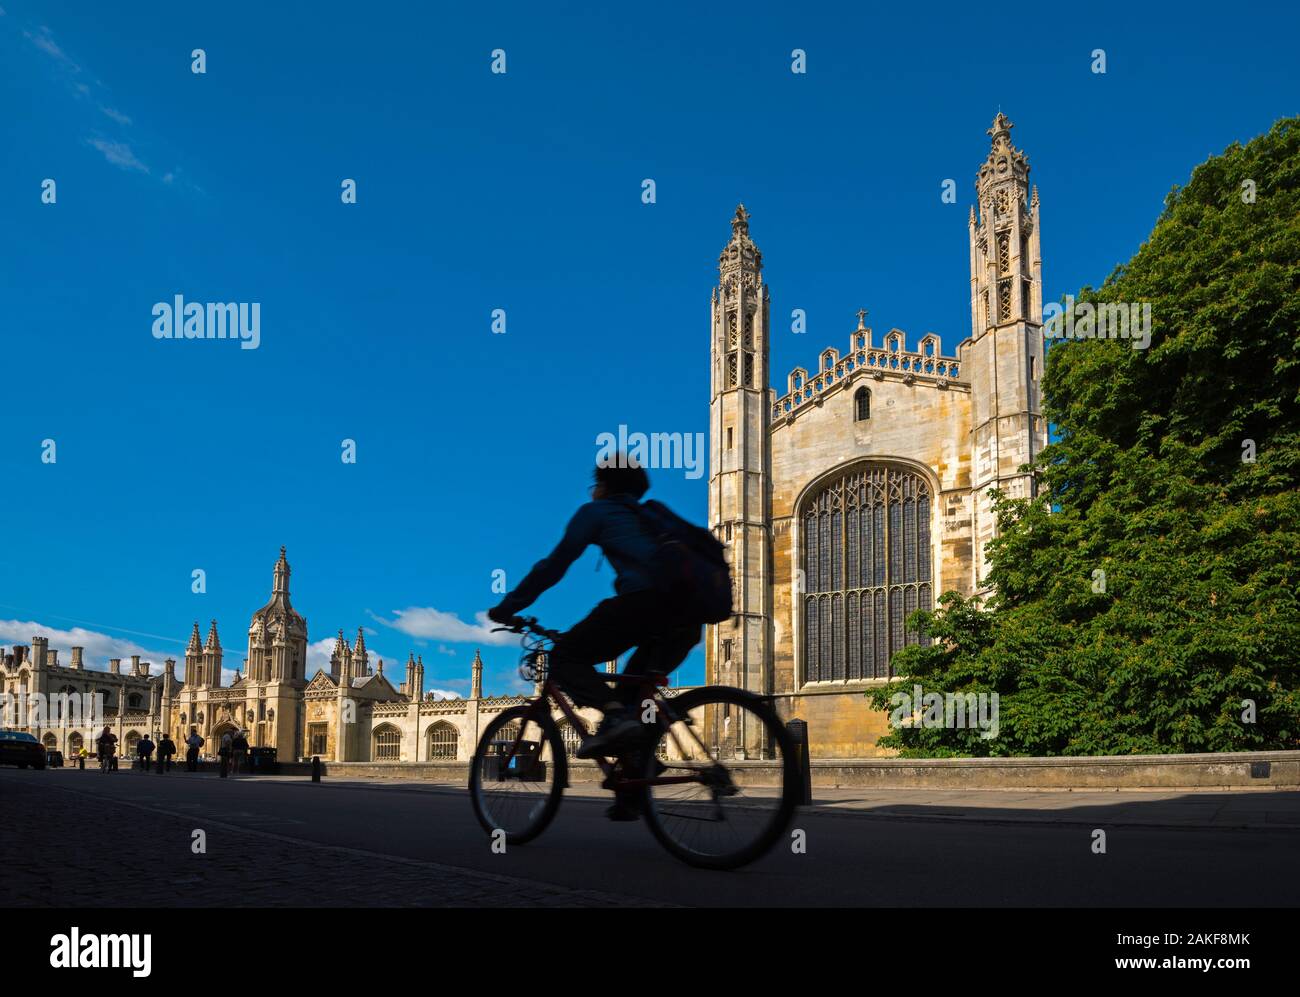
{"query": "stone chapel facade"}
{"type": "Point", "coordinates": [859, 490]}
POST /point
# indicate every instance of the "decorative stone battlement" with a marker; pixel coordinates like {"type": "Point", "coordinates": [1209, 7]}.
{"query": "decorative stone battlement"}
{"type": "Point", "coordinates": [434, 706]}
{"type": "Point", "coordinates": [927, 363]}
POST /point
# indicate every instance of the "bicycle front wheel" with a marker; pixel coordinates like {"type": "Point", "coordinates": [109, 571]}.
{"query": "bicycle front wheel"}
{"type": "Point", "coordinates": [736, 783]}
{"type": "Point", "coordinates": [518, 774]}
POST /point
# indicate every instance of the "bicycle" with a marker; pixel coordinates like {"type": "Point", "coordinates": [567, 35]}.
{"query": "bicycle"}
{"type": "Point", "coordinates": [715, 771]}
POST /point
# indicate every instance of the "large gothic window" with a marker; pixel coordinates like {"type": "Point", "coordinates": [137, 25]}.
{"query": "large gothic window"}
{"type": "Point", "coordinates": [866, 562]}
{"type": "Point", "coordinates": [388, 744]}
{"type": "Point", "coordinates": [443, 741]}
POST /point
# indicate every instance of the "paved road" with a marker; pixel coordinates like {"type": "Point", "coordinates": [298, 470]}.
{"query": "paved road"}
{"type": "Point", "coordinates": [292, 842]}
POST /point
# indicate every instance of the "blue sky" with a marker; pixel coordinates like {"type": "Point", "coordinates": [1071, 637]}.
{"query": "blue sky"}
{"type": "Point", "coordinates": [478, 191]}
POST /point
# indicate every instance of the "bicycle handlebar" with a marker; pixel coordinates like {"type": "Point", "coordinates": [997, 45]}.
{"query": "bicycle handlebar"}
{"type": "Point", "coordinates": [526, 624]}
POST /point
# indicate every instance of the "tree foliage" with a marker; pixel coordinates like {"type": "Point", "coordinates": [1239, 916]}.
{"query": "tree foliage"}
{"type": "Point", "coordinates": [1147, 483]}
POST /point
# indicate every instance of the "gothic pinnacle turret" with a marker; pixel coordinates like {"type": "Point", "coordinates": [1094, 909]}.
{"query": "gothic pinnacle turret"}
{"type": "Point", "coordinates": [360, 657]}
{"type": "Point", "coordinates": [476, 676]}
{"type": "Point", "coordinates": [1006, 282]}
{"type": "Point", "coordinates": [280, 584]}
{"type": "Point", "coordinates": [1005, 161]}
{"type": "Point", "coordinates": [196, 644]}
{"type": "Point", "coordinates": [739, 354]}
{"type": "Point", "coordinates": [213, 642]}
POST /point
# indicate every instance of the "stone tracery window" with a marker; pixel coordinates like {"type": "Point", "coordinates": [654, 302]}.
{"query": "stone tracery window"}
{"type": "Point", "coordinates": [443, 740]}
{"type": "Point", "coordinates": [866, 561]}
{"type": "Point", "coordinates": [572, 739]}
{"type": "Point", "coordinates": [388, 743]}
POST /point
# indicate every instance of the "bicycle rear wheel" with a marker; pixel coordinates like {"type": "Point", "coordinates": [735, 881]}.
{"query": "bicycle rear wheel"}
{"type": "Point", "coordinates": [743, 782]}
{"type": "Point", "coordinates": [518, 793]}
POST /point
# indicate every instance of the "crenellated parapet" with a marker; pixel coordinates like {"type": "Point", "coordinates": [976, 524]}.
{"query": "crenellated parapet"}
{"type": "Point", "coordinates": [431, 707]}
{"type": "Point", "coordinates": [925, 365]}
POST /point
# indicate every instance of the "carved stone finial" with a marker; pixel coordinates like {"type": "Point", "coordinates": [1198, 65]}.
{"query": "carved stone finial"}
{"type": "Point", "coordinates": [740, 223]}
{"type": "Point", "coordinates": [862, 318]}
{"type": "Point", "coordinates": [1001, 129]}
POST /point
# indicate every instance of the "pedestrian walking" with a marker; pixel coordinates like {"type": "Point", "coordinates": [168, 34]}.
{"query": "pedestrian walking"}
{"type": "Point", "coordinates": [192, 745]}
{"type": "Point", "coordinates": [166, 748]}
{"type": "Point", "coordinates": [238, 752]}
{"type": "Point", "coordinates": [144, 750]}
{"type": "Point", "coordinates": [224, 752]}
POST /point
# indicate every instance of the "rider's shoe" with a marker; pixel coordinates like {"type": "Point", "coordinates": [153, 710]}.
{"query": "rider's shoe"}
{"type": "Point", "coordinates": [626, 806]}
{"type": "Point", "coordinates": [620, 811]}
{"type": "Point", "coordinates": [616, 727]}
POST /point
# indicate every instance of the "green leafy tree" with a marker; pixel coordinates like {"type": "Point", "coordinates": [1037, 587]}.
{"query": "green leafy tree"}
{"type": "Point", "coordinates": [1150, 481]}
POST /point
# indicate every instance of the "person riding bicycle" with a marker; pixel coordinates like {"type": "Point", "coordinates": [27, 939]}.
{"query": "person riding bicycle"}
{"type": "Point", "coordinates": [639, 615]}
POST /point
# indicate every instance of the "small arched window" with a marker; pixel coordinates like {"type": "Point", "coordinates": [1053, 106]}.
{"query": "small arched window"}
{"type": "Point", "coordinates": [862, 405]}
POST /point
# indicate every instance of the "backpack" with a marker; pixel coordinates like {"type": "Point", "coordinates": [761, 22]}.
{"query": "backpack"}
{"type": "Point", "coordinates": [689, 565]}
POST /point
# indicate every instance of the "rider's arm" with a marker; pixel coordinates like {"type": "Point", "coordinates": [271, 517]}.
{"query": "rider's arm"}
{"type": "Point", "coordinates": [583, 529]}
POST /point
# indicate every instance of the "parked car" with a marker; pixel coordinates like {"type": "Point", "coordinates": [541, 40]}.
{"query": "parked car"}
{"type": "Point", "coordinates": [54, 759]}
{"type": "Point", "coordinates": [22, 749]}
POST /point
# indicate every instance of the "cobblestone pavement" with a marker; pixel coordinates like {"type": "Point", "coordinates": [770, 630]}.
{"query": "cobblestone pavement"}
{"type": "Point", "coordinates": [65, 848]}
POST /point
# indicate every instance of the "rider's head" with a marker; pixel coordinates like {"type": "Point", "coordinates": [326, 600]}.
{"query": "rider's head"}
{"type": "Point", "coordinates": [622, 476]}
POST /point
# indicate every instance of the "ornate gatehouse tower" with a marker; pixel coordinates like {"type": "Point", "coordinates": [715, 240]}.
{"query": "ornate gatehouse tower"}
{"type": "Point", "coordinates": [857, 492]}
{"type": "Point", "coordinates": [277, 664]}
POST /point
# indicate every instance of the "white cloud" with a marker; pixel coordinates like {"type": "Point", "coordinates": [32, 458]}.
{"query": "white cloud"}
{"type": "Point", "coordinates": [99, 647]}
{"type": "Point", "coordinates": [426, 622]}
{"type": "Point", "coordinates": [116, 115]}
{"type": "Point", "coordinates": [441, 694]}
{"type": "Point", "coordinates": [444, 649]}
{"type": "Point", "coordinates": [44, 41]}
{"type": "Point", "coordinates": [119, 154]}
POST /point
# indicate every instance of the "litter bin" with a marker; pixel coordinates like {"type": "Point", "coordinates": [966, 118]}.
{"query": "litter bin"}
{"type": "Point", "coordinates": [261, 761]}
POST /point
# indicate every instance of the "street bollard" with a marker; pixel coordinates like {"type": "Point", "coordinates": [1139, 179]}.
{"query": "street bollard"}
{"type": "Point", "coordinates": [315, 768]}
{"type": "Point", "coordinates": [799, 735]}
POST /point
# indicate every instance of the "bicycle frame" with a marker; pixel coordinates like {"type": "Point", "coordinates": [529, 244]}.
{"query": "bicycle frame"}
{"type": "Point", "coordinates": [540, 708]}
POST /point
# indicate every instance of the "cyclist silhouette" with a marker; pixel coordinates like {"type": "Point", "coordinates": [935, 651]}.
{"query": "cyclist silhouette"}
{"type": "Point", "coordinates": [639, 615]}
